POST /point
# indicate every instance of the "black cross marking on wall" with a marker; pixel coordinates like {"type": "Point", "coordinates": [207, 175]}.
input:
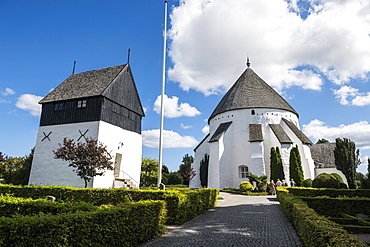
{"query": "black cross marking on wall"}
{"type": "Point", "coordinates": [46, 136]}
{"type": "Point", "coordinates": [82, 135]}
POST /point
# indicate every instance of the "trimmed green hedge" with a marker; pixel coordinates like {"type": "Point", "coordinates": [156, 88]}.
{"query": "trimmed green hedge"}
{"type": "Point", "coordinates": [106, 226]}
{"type": "Point", "coordinates": [314, 192]}
{"type": "Point", "coordinates": [312, 229]}
{"type": "Point", "coordinates": [10, 206]}
{"type": "Point", "coordinates": [181, 205]}
{"type": "Point", "coordinates": [338, 206]}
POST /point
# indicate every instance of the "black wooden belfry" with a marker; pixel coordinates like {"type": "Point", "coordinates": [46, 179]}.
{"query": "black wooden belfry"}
{"type": "Point", "coordinates": [110, 95]}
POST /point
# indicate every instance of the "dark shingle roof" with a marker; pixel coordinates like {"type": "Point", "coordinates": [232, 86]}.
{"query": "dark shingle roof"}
{"type": "Point", "coordinates": [255, 133]}
{"type": "Point", "coordinates": [220, 130]}
{"type": "Point", "coordinates": [86, 84]}
{"type": "Point", "coordinates": [323, 155]}
{"type": "Point", "coordinates": [280, 134]}
{"type": "Point", "coordinates": [301, 136]}
{"type": "Point", "coordinates": [250, 91]}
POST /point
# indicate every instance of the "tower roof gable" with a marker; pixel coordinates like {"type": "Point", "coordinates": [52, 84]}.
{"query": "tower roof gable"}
{"type": "Point", "coordinates": [250, 91]}
{"type": "Point", "coordinates": [115, 83]}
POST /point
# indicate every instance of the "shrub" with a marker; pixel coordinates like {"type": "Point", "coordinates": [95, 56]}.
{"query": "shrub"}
{"type": "Point", "coordinates": [307, 183]}
{"type": "Point", "coordinates": [127, 225]}
{"type": "Point", "coordinates": [178, 202]}
{"type": "Point", "coordinates": [337, 176]}
{"type": "Point", "coordinates": [338, 206]}
{"type": "Point", "coordinates": [312, 229]}
{"type": "Point", "coordinates": [325, 180]}
{"type": "Point", "coordinates": [245, 186]}
{"type": "Point", "coordinates": [313, 192]}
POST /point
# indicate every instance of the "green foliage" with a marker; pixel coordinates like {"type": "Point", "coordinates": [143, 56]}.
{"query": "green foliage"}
{"type": "Point", "coordinates": [16, 170]}
{"type": "Point", "coordinates": [295, 166]}
{"type": "Point", "coordinates": [325, 180]}
{"type": "Point", "coordinates": [149, 172]}
{"type": "Point", "coordinates": [337, 176]}
{"type": "Point", "coordinates": [310, 192]}
{"type": "Point", "coordinates": [346, 159]}
{"type": "Point", "coordinates": [175, 178]}
{"type": "Point", "coordinates": [276, 165]}
{"type": "Point", "coordinates": [184, 168]}
{"type": "Point", "coordinates": [338, 206]}
{"type": "Point", "coordinates": [260, 180]}
{"type": "Point", "coordinates": [322, 141]}
{"type": "Point", "coordinates": [312, 229]}
{"type": "Point", "coordinates": [204, 163]}
{"type": "Point", "coordinates": [178, 202]}
{"type": "Point", "coordinates": [89, 159]}
{"type": "Point", "coordinates": [126, 225]}
{"type": "Point", "coordinates": [307, 182]}
{"type": "Point", "coordinates": [245, 186]}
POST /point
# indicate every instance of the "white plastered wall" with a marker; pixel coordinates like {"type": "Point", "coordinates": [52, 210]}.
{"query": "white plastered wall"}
{"type": "Point", "coordinates": [202, 149]}
{"type": "Point", "coordinates": [127, 143]}
{"type": "Point", "coordinates": [45, 169]}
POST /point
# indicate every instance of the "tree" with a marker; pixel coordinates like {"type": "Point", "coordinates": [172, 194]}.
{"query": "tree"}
{"type": "Point", "coordinates": [368, 174]}
{"type": "Point", "coordinates": [187, 160]}
{"type": "Point", "coordinates": [322, 141]}
{"type": "Point", "coordinates": [16, 170]}
{"type": "Point", "coordinates": [88, 159]}
{"type": "Point", "coordinates": [347, 159]}
{"type": "Point", "coordinates": [203, 170]}
{"type": "Point", "coordinates": [295, 166]}
{"type": "Point", "coordinates": [149, 172]}
{"type": "Point", "coordinates": [276, 164]}
{"type": "Point", "coordinates": [175, 178]}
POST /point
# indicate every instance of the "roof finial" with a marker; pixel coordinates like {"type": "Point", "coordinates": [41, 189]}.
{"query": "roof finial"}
{"type": "Point", "coordinates": [248, 63]}
{"type": "Point", "coordinates": [74, 67]}
{"type": "Point", "coordinates": [128, 56]}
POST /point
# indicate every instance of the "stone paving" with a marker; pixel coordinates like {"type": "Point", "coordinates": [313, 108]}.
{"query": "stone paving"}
{"type": "Point", "coordinates": [236, 221]}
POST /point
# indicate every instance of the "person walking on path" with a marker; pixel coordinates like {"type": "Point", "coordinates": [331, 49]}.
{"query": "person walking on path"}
{"type": "Point", "coordinates": [292, 183]}
{"type": "Point", "coordinates": [238, 220]}
{"type": "Point", "coordinates": [272, 186]}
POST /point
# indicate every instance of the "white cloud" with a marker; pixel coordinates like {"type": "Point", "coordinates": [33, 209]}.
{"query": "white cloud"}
{"type": "Point", "coordinates": [358, 132]}
{"type": "Point", "coordinates": [205, 129]}
{"type": "Point", "coordinates": [7, 92]}
{"type": "Point", "coordinates": [29, 103]}
{"type": "Point", "coordinates": [171, 139]}
{"type": "Point", "coordinates": [344, 92]}
{"type": "Point", "coordinates": [356, 98]}
{"type": "Point", "coordinates": [183, 126]}
{"type": "Point", "coordinates": [210, 40]}
{"type": "Point", "coordinates": [172, 108]}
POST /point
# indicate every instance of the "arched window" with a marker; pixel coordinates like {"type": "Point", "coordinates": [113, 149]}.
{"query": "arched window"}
{"type": "Point", "coordinates": [243, 171]}
{"type": "Point", "coordinates": [253, 112]}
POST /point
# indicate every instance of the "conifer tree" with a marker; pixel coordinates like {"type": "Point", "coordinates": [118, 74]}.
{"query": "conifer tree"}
{"type": "Point", "coordinates": [273, 164]}
{"type": "Point", "coordinates": [295, 166]}
{"type": "Point", "coordinates": [276, 165]}
{"type": "Point", "coordinates": [203, 170]}
{"type": "Point", "coordinates": [280, 169]}
{"type": "Point", "coordinates": [346, 159]}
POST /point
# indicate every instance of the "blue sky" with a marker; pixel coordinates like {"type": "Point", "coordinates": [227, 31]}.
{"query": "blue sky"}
{"type": "Point", "coordinates": [315, 53]}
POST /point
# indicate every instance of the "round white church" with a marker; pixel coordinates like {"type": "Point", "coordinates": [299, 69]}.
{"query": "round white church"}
{"type": "Point", "coordinates": [249, 120]}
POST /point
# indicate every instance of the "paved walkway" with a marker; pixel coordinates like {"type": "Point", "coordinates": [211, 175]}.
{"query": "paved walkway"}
{"type": "Point", "coordinates": [236, 221]}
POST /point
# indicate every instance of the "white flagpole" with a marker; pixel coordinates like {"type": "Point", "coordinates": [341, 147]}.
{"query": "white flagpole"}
{"type": "Point", "coordinates": [162, 97]}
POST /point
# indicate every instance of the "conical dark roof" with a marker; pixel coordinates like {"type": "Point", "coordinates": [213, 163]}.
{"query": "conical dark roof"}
{"type": "Point", "coordinates": [250, 91]}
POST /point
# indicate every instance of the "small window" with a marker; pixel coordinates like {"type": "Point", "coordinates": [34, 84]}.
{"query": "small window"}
{"type": "Point", "coordinates": [58, 106]}
{"type": "Point", "coordinates": [243, 171]}
{"type": "Point", "coordinates": [253, 112]}
{"type": "Point", "coordinates": [81, 103]}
